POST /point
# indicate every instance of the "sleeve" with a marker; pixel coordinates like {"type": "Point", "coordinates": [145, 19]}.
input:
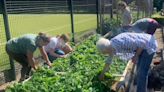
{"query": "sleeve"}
{"type": "Point", "coordinates": [109, 60]}
{"type": "Point", "coordinates": [152, 46]}
{"type": "Point", "coordinates": [29, 45]}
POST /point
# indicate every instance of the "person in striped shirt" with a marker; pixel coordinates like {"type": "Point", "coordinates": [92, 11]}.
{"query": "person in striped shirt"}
{"type": "Point", "coordinates": [141, 45]}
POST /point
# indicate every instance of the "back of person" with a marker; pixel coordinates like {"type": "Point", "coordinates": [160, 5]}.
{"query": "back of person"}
{"type": "Point", "coordinates": [147, 25]}
{"type": "Point", "coordinates": [129, 42]}
{"type": "Point", "coordinates": [22, 44]}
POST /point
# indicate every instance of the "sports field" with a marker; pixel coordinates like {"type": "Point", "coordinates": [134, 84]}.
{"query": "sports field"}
{"type": "Point", "coordinates": [51, 24]}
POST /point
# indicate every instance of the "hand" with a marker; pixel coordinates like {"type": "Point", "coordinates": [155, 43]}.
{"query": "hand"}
{"type": "Point", "coordinates": [34, 67]}
{"type": "Point", "coordinates": [63, 56]}
{"type": "Point", "coordinates": [134, 59]}
{"type": "Point", "coordinates": [49, 64]}
{"type": "Point", "coordinates": [101, 76]}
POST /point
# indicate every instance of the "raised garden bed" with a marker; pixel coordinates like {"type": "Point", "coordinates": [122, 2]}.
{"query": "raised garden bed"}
{"type": "Point", "coordinates": [77, 73]}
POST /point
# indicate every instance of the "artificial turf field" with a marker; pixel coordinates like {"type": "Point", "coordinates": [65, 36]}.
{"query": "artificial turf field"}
{"type": "Point", "coordinates": [51, 24]}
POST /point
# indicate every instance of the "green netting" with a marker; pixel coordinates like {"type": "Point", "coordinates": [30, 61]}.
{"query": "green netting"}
{"type": "Point", "coordinates": [4, 59]}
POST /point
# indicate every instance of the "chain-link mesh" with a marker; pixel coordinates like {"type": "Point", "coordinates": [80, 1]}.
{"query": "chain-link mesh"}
{"type": "Point", "coordinates": [85, 17]}
{"type": "Point", "coordinates": [4, 59]}
{"type": "Point", "coordinates": [38, 16]}
{"type": "Point", "coordinates": [106, 15]}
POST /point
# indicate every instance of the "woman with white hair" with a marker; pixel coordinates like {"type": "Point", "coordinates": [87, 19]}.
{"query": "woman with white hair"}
{"type": "Point", "coordinates": [141, 45]}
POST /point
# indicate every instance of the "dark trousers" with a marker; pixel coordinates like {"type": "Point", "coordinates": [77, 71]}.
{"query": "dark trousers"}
{"type": "Point", "coordinates": [21, 59]}
{"type": "Point", "coordinates": [57, 51]}
{"type": "Point", "coordinates": [143, 66]}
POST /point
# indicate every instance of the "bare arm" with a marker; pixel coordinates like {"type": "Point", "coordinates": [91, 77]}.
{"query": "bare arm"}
{"type": "Point", "coordinates": [31, 59]}
{"type": "Point", "coordinates": [108, 34]}
{"type": "Point", "coordinates": [106, 67]}
{"type": "Point", "coordinates": [44, 54]}
{"type": "Point", "coordinates": [135, 57]}
{"type": "Point", "coordinates": [138, 52]}
{"type": "Point", "coordinates": [67, 48]}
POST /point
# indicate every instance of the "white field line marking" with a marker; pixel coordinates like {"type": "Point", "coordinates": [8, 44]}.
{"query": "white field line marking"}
{"type": "Point", "coordinates": [66, 25]}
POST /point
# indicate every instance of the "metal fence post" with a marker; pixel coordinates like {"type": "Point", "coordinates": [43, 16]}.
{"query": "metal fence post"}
{"type": "Point", "coordinates": [100, 12]}
{"type": "Point", "coordinates": [162, 51]}
{"type": "Point", "coordinates": [97, 11]}
{"type": "Point", "coordinates": [111, 10]}
{"type": "Point", "coordinates": [8, 36]}
{"type": "Point", "coordinates": [72, 19]}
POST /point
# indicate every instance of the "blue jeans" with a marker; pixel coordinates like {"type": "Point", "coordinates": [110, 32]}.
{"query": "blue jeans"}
{"type": "Point", "coordinates": [143, 66]}
{"type": "Point", "coordinates": [57, 51]}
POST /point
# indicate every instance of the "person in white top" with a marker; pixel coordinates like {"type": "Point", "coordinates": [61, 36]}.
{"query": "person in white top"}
{"type": "Point", "coordinates": [141, 45]}
{"type": "Point", "coordinates": [58, 47]}
{"type": "Point", "coordinates": [126, 15]}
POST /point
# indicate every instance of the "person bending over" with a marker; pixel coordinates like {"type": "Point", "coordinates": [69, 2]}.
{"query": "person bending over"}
{"type": "Point", "coordinates": [22, 49]}
{"type": "Point", "coordinates": [139, 46]}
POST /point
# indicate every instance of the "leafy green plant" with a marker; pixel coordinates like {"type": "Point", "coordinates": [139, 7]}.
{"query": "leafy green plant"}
{"type": "Point", "coordinates": [78, 73]}
{"type": "Point", "coordinates": [111, 25]}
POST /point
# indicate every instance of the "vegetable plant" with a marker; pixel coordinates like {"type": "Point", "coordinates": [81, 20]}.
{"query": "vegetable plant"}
{"type": "Point", "coordinates": [77, 73]}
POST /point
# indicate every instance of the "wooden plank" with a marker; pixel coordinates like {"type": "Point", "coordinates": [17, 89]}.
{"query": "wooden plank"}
{"type": "Point", "coordinates": [124, 76]}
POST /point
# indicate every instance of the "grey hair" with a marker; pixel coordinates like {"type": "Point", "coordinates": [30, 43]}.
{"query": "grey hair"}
{"type": "Point", "coordinates": [102, 44]}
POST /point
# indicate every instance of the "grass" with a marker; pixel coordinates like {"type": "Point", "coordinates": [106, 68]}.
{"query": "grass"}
{"type": "Point", "coordinates": [51, 24]}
